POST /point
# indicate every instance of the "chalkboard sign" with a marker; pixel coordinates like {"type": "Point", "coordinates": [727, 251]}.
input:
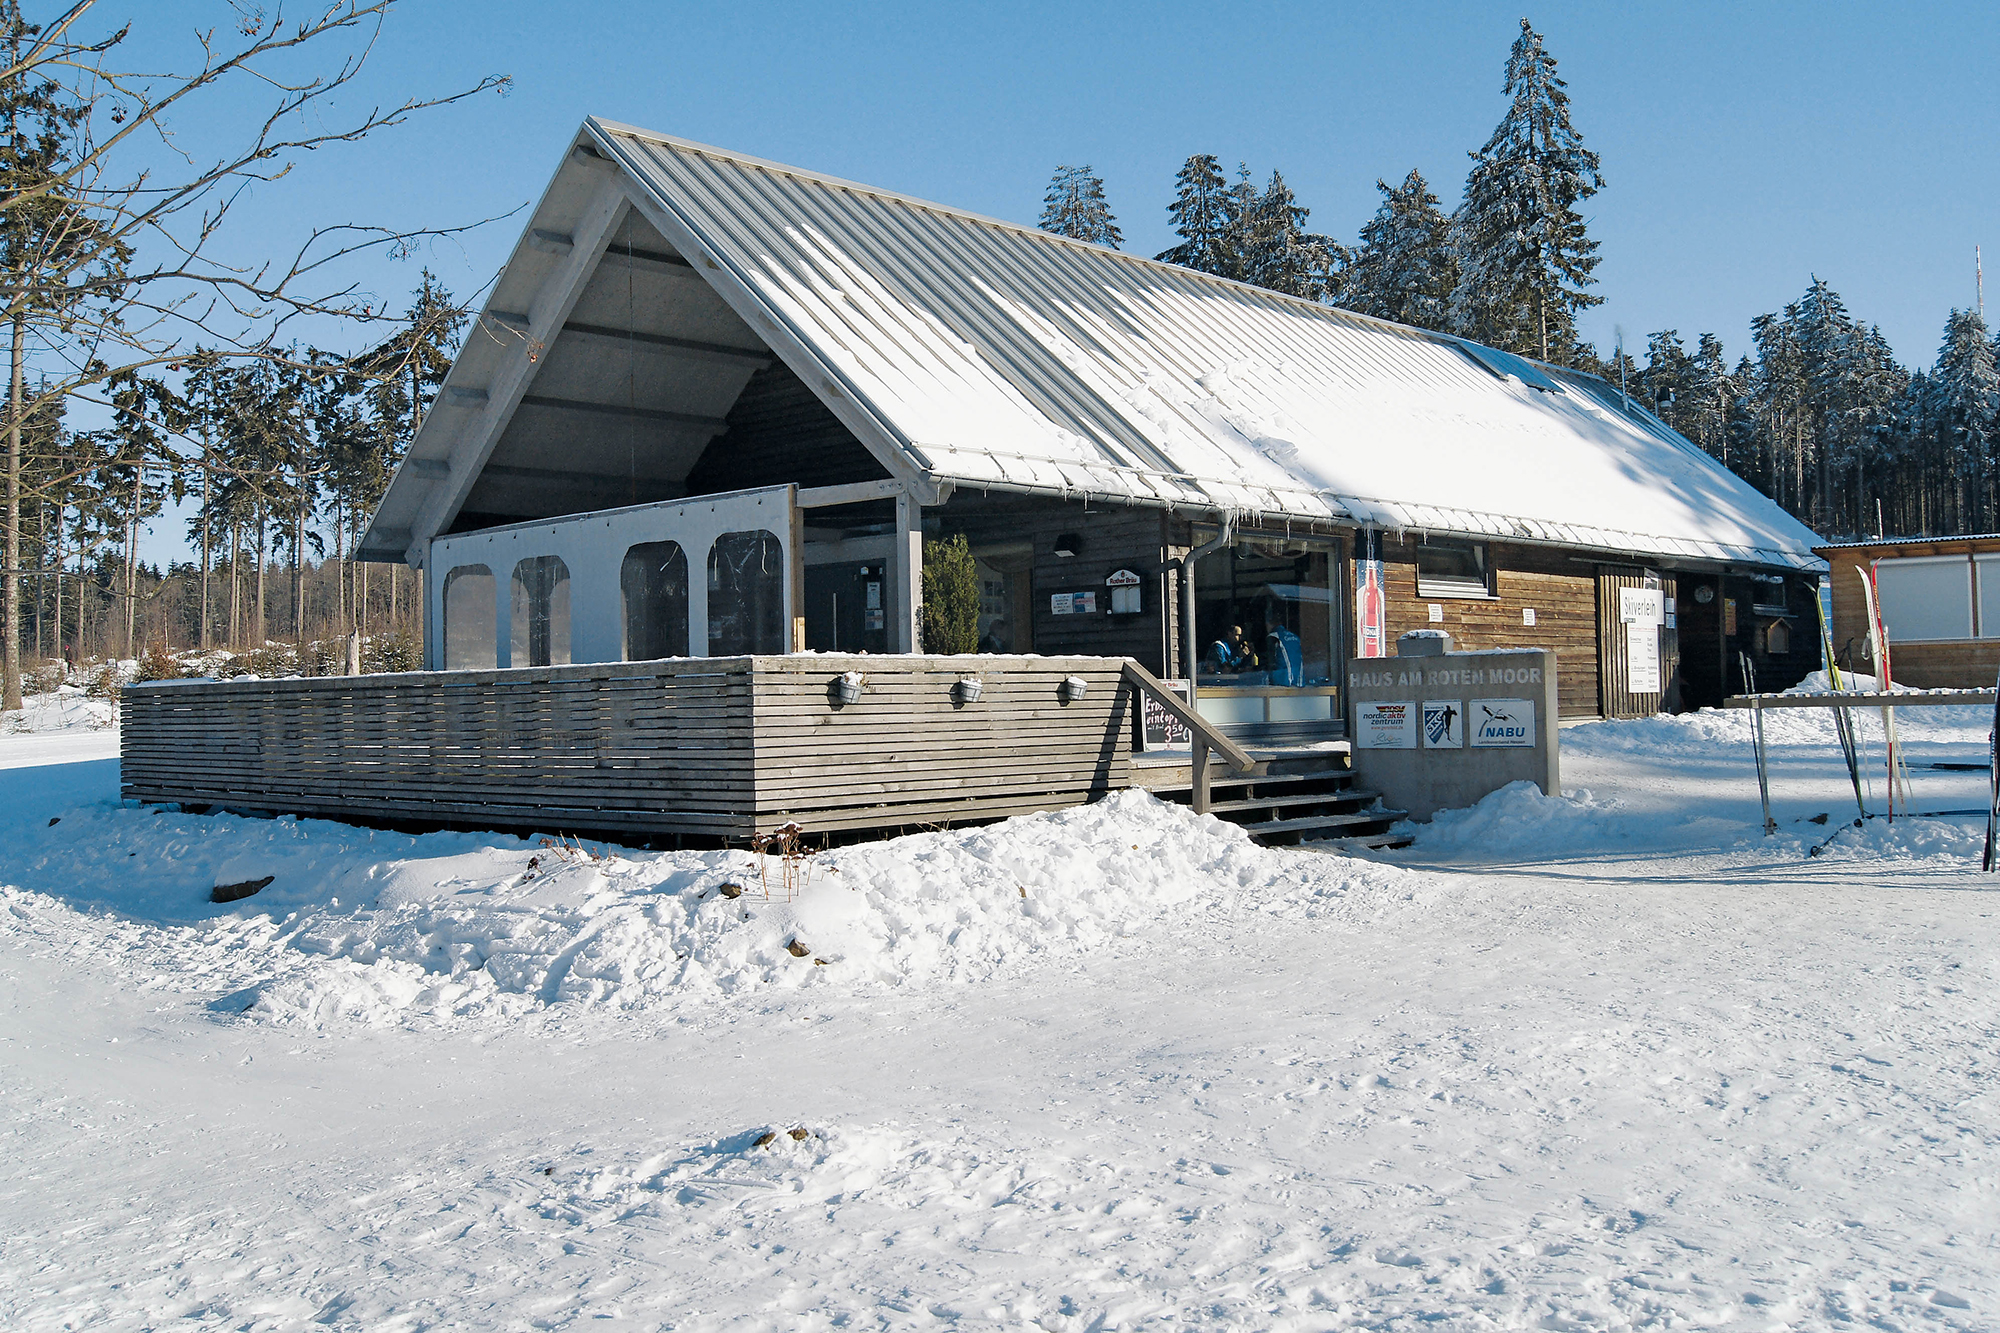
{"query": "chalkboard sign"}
{"type": "Point", "coordinates": [1160, 729]}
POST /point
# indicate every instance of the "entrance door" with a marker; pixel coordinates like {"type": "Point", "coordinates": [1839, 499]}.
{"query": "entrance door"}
{"type": "Point", "coordinates": [847, 608]}
{"type": "Point", "coordinates": [1638, 642]}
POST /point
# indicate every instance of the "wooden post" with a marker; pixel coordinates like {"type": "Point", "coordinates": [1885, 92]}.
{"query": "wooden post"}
{"type": "Point", "coordinates": [1200, 774]}
{"type": "Point", "coordinates": [904, 632]}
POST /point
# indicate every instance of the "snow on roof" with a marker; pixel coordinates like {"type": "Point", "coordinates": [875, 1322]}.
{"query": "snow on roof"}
{"type": "Point", "coordinates": [994, 355]}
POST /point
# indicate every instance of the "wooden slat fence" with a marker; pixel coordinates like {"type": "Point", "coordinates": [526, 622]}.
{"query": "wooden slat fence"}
{"type": "Point", "coordinates": [715, 747]}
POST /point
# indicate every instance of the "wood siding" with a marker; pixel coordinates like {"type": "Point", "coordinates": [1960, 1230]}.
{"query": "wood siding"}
{"type": "Point", "coordinates": [1561, 589]}
{"type": "Point", "coordinates": [778, 432]}
{"type": "Point", "coordinates": [713, 748]}
{"type": "Point", "coordinates": [1615, 696]}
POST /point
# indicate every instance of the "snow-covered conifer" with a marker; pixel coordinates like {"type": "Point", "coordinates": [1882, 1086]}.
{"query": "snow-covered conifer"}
{"type": "Point", "coordinates": [1206, 214]}
{"type": "Point", "coordinates": [1278, 253]}
{"type": "Point", "coordinates": [1075, 207]}
{"type": "Point", "coordinates": [1404, 269]}
{"type": "Point", "coordinates": [1523, 251]}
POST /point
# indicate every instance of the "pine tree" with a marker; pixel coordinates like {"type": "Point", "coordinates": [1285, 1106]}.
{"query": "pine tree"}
{"type": "Point", "coordinates": [1404, 270]}
{"type": "Point", "coordinates": [1965, 406]}
{"type": "Point", "coordinates": [1206, 214]}
{"type": "Point", "coordinates": [1523, 252]}
{"type": "Point", "coordinates": [1278, 253]}
{"type": "Point", "coordinates": [1075, 207]}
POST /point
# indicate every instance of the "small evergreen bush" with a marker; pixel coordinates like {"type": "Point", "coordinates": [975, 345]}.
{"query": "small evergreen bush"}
{"type": "Point", "coordinates": [950, 613]}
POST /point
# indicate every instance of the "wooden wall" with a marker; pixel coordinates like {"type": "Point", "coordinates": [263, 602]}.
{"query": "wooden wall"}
{"type": "Point", "coordinates": [780, 431]}
{"type": "Point", "coordinates": [1560, 587]}
{"type": "Point", "coordinates": [1112, 538]}
{"type": "Point", "coordinates": [714, 748]}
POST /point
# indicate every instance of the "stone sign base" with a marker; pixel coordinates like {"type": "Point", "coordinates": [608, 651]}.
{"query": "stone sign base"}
{"type": "Point", "coordinates": [1442, 730]}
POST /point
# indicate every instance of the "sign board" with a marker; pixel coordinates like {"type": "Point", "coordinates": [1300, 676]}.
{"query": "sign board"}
{"type": "Point", "coordinates": [1502, 724]}
{"type": "Point", "coordinates": [1159, 729]}
{"type": "Point", "coordinates": [1370, 609]}
{"type": "Point", "coordinates": [1642, 606]}
{"type": "Point", "coordinates": [1073, 604]}
{"type": "Point", "coordinates": [1642, 657]}
{"type": "Point", "coordinates": [1125, 599]}
{"type": "Point", "coordinates": [1381, 725]}
{"type": "Point", "coordinates": [1444, 724]}
{"type": "Point", "coordinates": [1527, 615]}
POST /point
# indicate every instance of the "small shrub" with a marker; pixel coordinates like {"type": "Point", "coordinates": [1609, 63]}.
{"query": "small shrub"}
{"type": "Point", "coordinates": [156, 663]}
{"type": "Point", "coordinates": [392, 652]}
{"type": "Point", "coordinates": [950, 613]}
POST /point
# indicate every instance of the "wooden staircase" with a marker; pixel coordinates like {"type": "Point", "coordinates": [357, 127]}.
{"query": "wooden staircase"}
{"type": "Point", "coordinates": [1295, 800]}
{"type": "Point", "coordinates": [1282, 797]}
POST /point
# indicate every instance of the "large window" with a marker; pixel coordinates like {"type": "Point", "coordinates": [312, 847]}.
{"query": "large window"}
{"type": "Point", "coordinates": [654, 580]}
{"type": "Point", "coordinates": [1264, 613]}
{"type": "Point", "coordinates": [746, 594]}
{"type": "Point", "coordinates": [1928, 597]}
{"type": "Point", "coordinates": [1453, 569]}
{"type": "Point", "coordinates": [541, 612]}
{"type": "Point", "coordinates": [470, 636]}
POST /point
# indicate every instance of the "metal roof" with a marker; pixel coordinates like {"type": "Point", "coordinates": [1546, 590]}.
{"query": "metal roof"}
{"type": "Point", "coordinates": [992, 355]}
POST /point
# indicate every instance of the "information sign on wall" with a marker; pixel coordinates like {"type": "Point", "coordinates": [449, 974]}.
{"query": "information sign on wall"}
{"type": "Point", "coordinates": [1124, 585]}
{"type": "Point", "coordinates": [1073, 604]}
{"type": "Point", "coordinates": [1642, 658]}
{"type": "Point", "coordinates": [1381, 725]}
{"type": "Point", "coordinates": [1502, 724]}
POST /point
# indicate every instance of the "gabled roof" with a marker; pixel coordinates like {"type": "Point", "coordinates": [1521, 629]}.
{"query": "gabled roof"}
{"type": "Point", "coordinates": [977, 352]}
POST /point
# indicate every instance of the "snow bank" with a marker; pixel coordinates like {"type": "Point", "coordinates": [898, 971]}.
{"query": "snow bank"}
{"type": "Point", "coordinates": [365, 926]}
{"type": "Point", "coordinates": [64, 709]}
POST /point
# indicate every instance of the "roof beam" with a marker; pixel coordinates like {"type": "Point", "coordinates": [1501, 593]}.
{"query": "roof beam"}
{"type": "Point", "coordinates": [617, 410]}
{"type": "Point", "coordinates": [511, 367]}
{"type": "Point", "coordinates": [707, 351]}
{"type": "Point", "coordinates": [551, 242]}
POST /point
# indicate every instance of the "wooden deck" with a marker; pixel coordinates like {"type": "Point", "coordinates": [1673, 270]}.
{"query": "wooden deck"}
{"type": "Point", "coordinates": [703, 748]}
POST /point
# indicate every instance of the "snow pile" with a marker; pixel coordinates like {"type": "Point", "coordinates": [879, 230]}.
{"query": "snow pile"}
{"type": "Point", "coordinates": [1519, 817]}
{"type": "Point", "coordinates": [452, 925]}
{"type": "Point", "coordinates": [64, 709]}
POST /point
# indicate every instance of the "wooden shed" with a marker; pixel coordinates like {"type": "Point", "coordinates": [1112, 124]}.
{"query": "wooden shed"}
{"type": "Point", "coordinates": [1940, 600]}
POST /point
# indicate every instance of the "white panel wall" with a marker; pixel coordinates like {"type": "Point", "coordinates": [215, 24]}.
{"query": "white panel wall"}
{"type": "Point", "coordinates": [593, 546]}
{"type": "Point", "coordinates": [1925, 597]}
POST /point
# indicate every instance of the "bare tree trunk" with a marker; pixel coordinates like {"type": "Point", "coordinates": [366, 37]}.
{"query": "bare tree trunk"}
{"type": "Point", "coordinates": [59, 580]}
{"type": "Point", "coordinates": [299, 574]}
{"type": "Point", "coordinates": [10, 583]}
{"type": "Point", "coordinates": [236, 584]}
{"type": "Point", "coordinates": [206, 510]}
{"type": "Point", "coordinates": [132, 561]}
{"type": "Point", "coordinates": [263, 552]}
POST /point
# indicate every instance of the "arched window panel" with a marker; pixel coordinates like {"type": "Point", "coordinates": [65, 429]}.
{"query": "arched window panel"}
{"type": "Point", "coordinates": [746, 594]}
{"type": "Point", "coordinates": [471, 638]}
{"type": "Point", "coordinates": [654, 580]}
{"type": "Point", "coordinates": [541, 612]}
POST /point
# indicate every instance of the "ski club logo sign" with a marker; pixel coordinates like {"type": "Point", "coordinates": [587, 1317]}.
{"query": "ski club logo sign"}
{"type": "Point", "coordinates": [1502, 724]}
{"type": "Point", "coordinates": [1443, 724]}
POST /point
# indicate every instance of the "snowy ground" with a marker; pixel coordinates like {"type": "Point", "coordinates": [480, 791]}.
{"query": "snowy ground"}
{"type": "Point", "coordinates": [1608, 1061]}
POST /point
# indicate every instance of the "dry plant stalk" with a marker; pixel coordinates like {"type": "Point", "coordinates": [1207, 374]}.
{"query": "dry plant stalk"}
{"type": "Point", "coordinates": [794, 857]}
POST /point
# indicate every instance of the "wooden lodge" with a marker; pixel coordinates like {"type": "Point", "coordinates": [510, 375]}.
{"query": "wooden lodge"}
{"type": "Point", "coordinates": [715, 406]}
{"type": "Point", "coordinates": [1940, 602]}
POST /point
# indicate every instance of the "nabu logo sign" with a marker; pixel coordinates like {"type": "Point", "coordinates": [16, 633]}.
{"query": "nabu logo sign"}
{"type": "Point", "coordinates": [1502, 723]}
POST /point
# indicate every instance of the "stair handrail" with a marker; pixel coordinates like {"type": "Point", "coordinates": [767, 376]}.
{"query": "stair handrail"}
{"type": "Point", "coordinates": [1206, 735]}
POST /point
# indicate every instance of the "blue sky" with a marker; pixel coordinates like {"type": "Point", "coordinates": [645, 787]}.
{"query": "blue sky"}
{"type": "Point", "coordinates": [1746, 147]}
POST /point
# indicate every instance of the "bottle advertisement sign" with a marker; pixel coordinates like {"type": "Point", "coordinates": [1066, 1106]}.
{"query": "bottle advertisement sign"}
{"type": "Point", "coordinates": [1371, 601]}
{"type": "Point", "coordinates": [1073, 604]}
{"type": "Point", "coordinates": [1386, 725]}
{"type": "Point", "coordinates": [1500, 724]}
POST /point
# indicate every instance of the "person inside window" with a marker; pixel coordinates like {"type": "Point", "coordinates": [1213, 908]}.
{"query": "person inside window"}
{"type": "Point", "coordinates": [1284, 658]}
{"type": "Point", "coordinates": [996, 639]}
{"type": "Point", "coordinates": [1231, 653]}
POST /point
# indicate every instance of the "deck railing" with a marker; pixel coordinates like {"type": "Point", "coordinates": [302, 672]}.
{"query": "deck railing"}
{"type": "Point", "coordinates": [699, 747]}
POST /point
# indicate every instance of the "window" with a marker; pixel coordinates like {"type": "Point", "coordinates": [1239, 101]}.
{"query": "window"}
{"type": "Point", "coordinates": [1453, 569]}
{"type": "Point", "coordinates": [470, 636]}
{"type": "Point", "coordinates": [1926, 597]}
{"type": "Point", "coordinates": [1769, 599]}
{"type": "Point", "coordinates": [1264, 612]}
{"type": "Point", "coordinates": [541, 612]}
{"type": "Point", "coordinates": [654, 580]}
{"type": "Point", "coordinates": [746, 594]}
